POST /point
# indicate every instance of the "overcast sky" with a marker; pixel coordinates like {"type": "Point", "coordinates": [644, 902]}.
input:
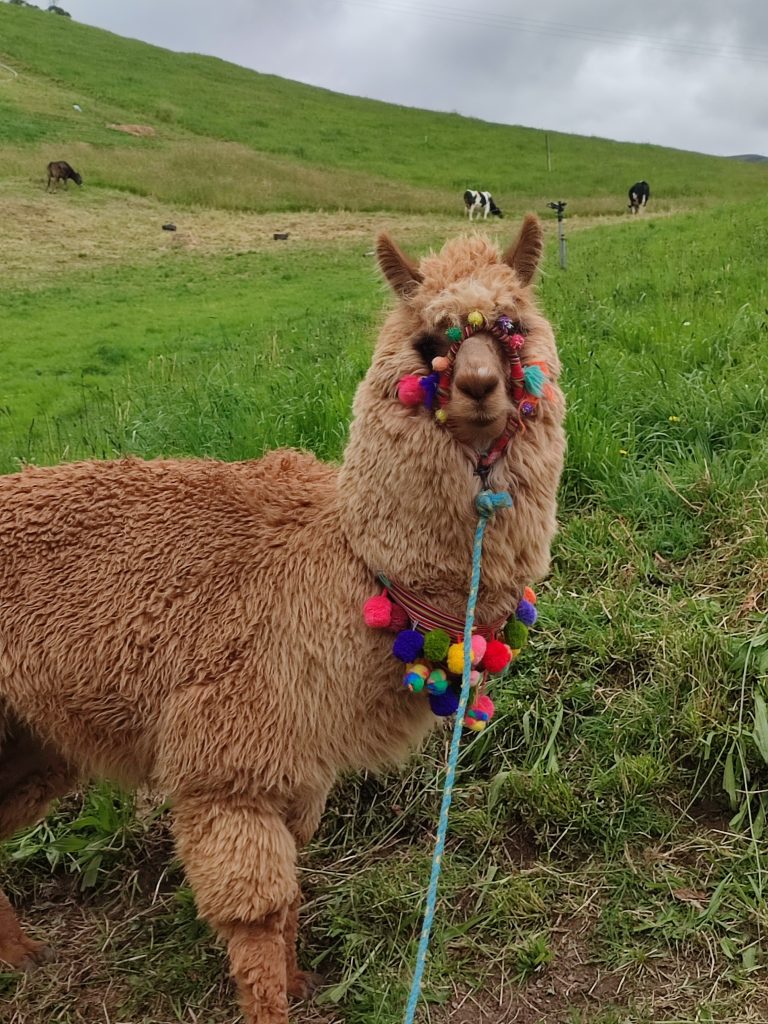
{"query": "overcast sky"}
{"type": "Point", "coordinates": [692, 74]}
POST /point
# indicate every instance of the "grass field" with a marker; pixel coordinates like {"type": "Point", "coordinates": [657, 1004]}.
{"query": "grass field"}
{"type": "Point", "coordinates": [607, 856]}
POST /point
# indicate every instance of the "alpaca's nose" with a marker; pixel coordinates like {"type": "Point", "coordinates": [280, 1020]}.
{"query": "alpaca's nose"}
{"type": "Point", "coordinates": [477, 385]}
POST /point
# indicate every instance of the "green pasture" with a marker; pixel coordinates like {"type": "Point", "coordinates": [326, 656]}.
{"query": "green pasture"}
{"type": "Point", "coordinates": [264, 142]}
{"type": "Point", "coordinates": [628, 762]}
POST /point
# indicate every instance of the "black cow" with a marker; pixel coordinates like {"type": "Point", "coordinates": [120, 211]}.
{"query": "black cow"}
{"type": "Point", "coordinates": [480, 201]}
{"type": "Point", "coordinates": [60, 170]}
{"type": "Point", "coordinates": [639, 195]}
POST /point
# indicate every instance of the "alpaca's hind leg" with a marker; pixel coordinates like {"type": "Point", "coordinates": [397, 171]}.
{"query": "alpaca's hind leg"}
{"type": "Point", "coordinates": [302, 820]}
{"type": "Point", "coordinates": [241, 862]}
{"type": "Point", "coordinates": [31, 775]}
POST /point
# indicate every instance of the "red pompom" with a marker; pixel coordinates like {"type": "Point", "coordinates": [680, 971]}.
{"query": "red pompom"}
{"type": "Point", "coordinates": [529, 595]}
{"type": "Point", "coordinates": [377, 612]}
{"type": "Point", "coordinates": [399, 618]}
{"type": "Point", "coordinates": [497, 656]}
{"type": "Point", "coordinates": [409, 390]}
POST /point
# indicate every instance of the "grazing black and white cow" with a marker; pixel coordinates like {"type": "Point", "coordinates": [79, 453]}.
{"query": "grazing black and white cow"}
{"type": "Point", "coordinates": [639, 195]}
{"type": "Point", "coordinates": [474, 200]}
{"type": "Point", "coordinates": [60, 170]}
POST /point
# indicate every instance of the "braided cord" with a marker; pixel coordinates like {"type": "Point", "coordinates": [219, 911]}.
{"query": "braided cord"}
{"type": "Point", "coordinates": [486, 503]}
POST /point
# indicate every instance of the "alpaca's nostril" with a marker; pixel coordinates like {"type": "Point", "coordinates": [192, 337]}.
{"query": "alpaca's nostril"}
{"type": "Point", "coordinates": [476, 386]}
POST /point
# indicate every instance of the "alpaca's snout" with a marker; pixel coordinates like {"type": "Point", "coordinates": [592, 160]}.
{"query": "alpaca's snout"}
{"type": "Point", "coordinates": [478, 384]}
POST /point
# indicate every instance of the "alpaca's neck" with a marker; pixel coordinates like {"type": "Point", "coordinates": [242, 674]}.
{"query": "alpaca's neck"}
{"type": "Point", "coordinates": [407, 495]}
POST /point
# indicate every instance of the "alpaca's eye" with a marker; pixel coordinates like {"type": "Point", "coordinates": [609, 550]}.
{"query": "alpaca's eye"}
{"type": "Point", "coordinates": [429, 345]}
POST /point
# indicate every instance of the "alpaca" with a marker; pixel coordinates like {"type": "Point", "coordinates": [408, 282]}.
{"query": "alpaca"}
{"type": "Point", "coordinates": [196, 625]}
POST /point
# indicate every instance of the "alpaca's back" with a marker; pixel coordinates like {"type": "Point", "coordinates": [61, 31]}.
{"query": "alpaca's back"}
{"type": "Point", "coordinates": [130, 589]}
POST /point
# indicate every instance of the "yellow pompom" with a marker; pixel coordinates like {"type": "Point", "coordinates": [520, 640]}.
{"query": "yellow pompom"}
{"type": "Point", "coordinates": [418, 668]}
{"type": "Point", "coordinates": [456, 659]}
{"type": "Point", "coordinates": [441, 415]}
{"type": "Point", "coordinates": [476, 318]}
{"type": "Point", "coordinates": [515, 651]}
{"type": "Point", "coordinates": [474, 724]}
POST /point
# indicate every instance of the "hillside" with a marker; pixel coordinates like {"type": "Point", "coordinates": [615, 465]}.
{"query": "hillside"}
{"type": "Point", "coordinates": [227, 136]}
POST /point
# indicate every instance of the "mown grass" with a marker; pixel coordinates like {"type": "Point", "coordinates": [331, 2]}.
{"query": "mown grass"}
{"type": "Point", "coordinates": [608, 830]}
{"type": "Point", "coordinates": [311, 147]}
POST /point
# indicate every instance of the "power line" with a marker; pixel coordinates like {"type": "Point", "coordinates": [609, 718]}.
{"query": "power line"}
{"type": "Point", "coordinates": [691, 48]}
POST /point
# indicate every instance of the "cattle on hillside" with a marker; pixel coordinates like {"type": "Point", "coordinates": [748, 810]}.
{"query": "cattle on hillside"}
{"type": "Point", "coordinates": [639, 195]}
{"type": "Point", "coordinates": [60, 170]}
{"type": "Point", "coordinates": [474, 200]}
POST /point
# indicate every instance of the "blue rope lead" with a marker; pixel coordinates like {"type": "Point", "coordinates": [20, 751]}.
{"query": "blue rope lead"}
{"type": "Point", "coordinates": [486, 503]}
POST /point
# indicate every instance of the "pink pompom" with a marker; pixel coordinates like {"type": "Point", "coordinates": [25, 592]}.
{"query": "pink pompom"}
{"type": "Point", "coordinates": [409, 390]}
{"type": "Point", "coordinates": [440, 364]}
{"type": "Point", "coordinates": [377, 612]}
{"type": "Point", "coordinates": [485, 705]}
{"type": "Point", "coordinates": [478, 648]}
{"type": "Point", "coordinates": [399, 618]}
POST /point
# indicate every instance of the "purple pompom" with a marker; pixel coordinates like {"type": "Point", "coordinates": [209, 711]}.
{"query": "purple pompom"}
{"type": "Point", "coordinates": [409, 644]}
{"type": "Point", "coordinates": [444, 704]}
{"type": "Point", "coordinates": [429, 385]}
{"type": "Point", "coordinates": [505, 324]}
{"type": "Point", "coordinates": [526, 612]}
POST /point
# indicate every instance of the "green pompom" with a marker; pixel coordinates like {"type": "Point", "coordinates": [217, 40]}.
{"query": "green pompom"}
{"type": "Point", "coordinates": [516, 634]}
{"type": "Point", "coordinates": [453, 334]}
{"type": "Point", "coordinates": [436, 644]}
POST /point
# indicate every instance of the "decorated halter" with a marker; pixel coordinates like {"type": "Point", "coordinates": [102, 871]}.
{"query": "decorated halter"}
{"type": "Point", "coordinates": [429, 643]}
{"type": "Point", "coordinates": [528, 383]}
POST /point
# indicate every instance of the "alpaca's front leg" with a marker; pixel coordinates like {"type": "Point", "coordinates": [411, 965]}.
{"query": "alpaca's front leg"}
{"type": "Point", "coordinates": [241, 862]}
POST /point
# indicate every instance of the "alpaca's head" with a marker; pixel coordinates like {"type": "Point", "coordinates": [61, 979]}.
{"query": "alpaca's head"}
{"type": "Point", "coordinates": [409, 477]}
{"type": "Point", "coordinates": [468, 274]}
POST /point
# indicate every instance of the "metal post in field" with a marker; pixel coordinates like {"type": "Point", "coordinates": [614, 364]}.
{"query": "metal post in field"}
{"type": "Point", "coordinates": [559, 207]}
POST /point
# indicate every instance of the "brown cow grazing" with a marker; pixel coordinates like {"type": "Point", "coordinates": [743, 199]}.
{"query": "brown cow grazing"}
{"type": "Point", "coordinates": [60, 170]}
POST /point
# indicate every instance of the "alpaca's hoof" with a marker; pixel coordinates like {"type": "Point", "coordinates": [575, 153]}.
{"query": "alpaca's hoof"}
{"type": "Point", "coordinates": [24, 954]}
{"type": "Point", "coordinates": [304, 985]}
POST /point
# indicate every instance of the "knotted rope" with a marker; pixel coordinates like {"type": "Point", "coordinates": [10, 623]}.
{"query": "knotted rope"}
{"type": "Point", "coordinates": [486, 503]}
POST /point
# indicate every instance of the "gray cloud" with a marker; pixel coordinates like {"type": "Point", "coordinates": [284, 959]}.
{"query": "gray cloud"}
{"type": "Point", "coordinates": [689, 74]}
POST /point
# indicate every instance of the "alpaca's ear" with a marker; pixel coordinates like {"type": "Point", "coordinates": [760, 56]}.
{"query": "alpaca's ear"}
{"type": "Point", "coordinates": [523, 256]}
{"type": "Point", "coordinates": [403, 275]}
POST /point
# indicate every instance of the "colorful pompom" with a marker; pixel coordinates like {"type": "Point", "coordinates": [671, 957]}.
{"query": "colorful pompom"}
{"type": "Point", "coordinates": [399, 618]}
{"type": "Point", "coordinates": [377, 612]}
{"type": "Point", "coordinates": [516, 634]}
{"type": "Point", "coordinates": [456, 659]}
{"type": "Point", "coordinates": [528, 407]}
{"type": "Point", "coordinates": [409, 390]}
{"type": "Point", "coordinates": [526, 612]}
{"type": "Point", "coordinates": [480, 714]}
{"type": "Point", "coordinates": [505, 324]}
{"type": "Point", "coordinates": [408, 645]}
{"type": "Point", "coordinates": [437, 681]}
{"type": "Point", "coordinates": [476, 318]}
{"type": "Point", "coordinates": [436, 644]}
{"type": "Point", "coordinates": [444, 704]}
{"type": "Point", "coordinates": [413, 681]}
{"type": "Point", "coordinates": [535, 379]}
{"type": "Point", "coordinates": [440, 364]}
{"type": "Point", "coordinates": [497, 656]}
{"type": "Point", "coordinates": [479, 644]}
{"type": "Point", "coordinates": [441, 415]}
{"type": "Point", "coordinates": [529, 595]}
{"type": "Point", "coordinates": [517, 341]}
{"type": "Point", "coordinates": [453, 334]}
{"type": "Point", "coordinates": [428, 387]}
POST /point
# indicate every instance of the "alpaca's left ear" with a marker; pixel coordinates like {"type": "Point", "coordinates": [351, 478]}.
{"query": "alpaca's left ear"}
{"type": "Point", "coordinates": [403, 275]}
{"type": "Point", "coordinates": [523, 256]}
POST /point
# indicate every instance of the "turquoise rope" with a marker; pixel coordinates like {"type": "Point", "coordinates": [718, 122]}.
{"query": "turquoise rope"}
{"type": "Point", "coordinates": [486, 504]}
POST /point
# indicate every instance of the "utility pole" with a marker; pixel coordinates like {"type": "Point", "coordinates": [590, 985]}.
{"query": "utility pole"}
{"type": "Point", "coordinates": [560, 206]}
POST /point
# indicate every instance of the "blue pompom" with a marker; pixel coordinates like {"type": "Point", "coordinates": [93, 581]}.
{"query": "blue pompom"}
{"type": "Point", "coordinates": [526, 612]}
{"type": "Point", "coordinates": [535, 379]}
{"type": "Point", "coordinates": [429, 385]}
{"type": "Point", "coordinates": [409, 644]}
{"type": "Point", "coordinates": [444, 704]}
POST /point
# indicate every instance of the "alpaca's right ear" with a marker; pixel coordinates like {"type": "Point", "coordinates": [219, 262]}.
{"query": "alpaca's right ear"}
{"type": "Point", "coordinates": [402, 275]}
{"type": "Point", "coordinates": [523, 256]}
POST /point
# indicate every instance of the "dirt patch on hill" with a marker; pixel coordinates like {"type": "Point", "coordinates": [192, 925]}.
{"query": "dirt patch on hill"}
{"type": "Point", "coordinates": [141, 130]}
